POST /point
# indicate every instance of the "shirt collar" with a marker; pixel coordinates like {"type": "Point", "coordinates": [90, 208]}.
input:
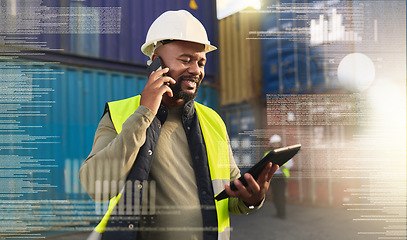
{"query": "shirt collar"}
{"type": "Point", "coordinates": [188, 111]}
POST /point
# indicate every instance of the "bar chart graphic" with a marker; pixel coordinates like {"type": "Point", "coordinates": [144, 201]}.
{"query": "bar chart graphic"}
{"type": "Point", "coordinates": [331, 29]}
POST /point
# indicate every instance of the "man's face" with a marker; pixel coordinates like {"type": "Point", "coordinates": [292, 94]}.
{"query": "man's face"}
{"type": "Point", "coordinates": [186, 61]}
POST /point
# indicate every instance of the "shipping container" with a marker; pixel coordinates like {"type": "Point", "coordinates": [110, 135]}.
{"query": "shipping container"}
{"type": "Point", "coordinates": [48, 116]}
{"type": "Point", "coordinates": [242, 121]}
{"type": "Point", "coordinates": [240, 68]}
{"type": "Point", "coordinates": [109, 30]}
{"type": "Point", "coordinates": [301, 49]}
{"type": "Point", "coordinates": [240, 85]}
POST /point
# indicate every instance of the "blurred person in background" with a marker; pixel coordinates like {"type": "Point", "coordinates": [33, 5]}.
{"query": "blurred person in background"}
{"type": "Point", "coordinates": [278, 181]}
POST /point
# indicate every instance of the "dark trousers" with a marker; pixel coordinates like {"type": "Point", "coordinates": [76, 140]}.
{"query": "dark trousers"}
{"type": "Point", "coordinates": [278, 184]}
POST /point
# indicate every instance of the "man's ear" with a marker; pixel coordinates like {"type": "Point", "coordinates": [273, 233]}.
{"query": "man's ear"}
{"type": "Point", "coordinates": [154, 56]}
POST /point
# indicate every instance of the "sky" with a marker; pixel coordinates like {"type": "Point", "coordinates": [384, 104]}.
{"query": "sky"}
{"type": "Point", "coordinates": [229, 7]}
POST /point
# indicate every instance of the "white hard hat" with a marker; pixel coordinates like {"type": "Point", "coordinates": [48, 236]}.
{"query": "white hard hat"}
{"type": "Point", "coordinates": [175, 25]}
{"type": "Point", "coordinates": [275, 138]}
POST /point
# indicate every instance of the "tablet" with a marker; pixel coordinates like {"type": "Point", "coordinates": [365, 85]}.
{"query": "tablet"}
{"type": "Point", "coordinates": [277, 156]}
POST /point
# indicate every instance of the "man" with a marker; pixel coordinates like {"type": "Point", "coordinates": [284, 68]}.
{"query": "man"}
{"type": "Point", "coordinates": [278, 182]}
{"type": "Point", "coordinates": [164, 140]}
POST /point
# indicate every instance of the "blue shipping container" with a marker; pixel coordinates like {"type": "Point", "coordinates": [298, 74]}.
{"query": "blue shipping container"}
{"type": "Point", "coordinates": [131, 19]}
{"type": "Point", "coordinates": [291, 64]}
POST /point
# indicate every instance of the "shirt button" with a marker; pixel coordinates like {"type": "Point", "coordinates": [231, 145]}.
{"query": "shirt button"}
{"type": "Point", "coordinates": [203, 192]}
{"type": "Point", "coordinates": [188, 128]}
{"type": "Point", "coordinates": [150, 152]}
{"type": "Point", "coordinates": [159, 125]}
{"type": "Point", "coordinates": [131, 226]}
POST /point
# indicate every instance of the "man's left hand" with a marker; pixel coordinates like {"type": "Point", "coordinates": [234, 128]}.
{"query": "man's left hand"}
{"type": "Point", "coordinates": [256, 190]}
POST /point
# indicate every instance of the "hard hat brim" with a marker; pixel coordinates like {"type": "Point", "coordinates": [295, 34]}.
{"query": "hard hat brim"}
{"type": "Point", "coordinates": [147, 48]}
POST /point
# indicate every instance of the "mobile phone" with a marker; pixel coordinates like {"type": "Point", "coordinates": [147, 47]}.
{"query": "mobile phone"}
{"type": "Point", "coordinates": [156, 65]}
{"type": "Point", "coordinates": [277, 156]}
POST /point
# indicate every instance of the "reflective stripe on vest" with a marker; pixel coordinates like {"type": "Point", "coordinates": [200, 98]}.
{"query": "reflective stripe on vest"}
{"type": "Point", "coordinates": [112, 204]}
{"type": "Point", "coordinates": [217, 148]}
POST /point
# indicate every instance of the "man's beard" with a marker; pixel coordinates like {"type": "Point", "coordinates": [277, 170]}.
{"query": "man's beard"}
{"type": "Point", "coordinates": [180, 94]}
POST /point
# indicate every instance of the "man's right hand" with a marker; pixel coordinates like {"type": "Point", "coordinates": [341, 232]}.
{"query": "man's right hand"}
{"type": "Point", "coordinates": [155, 88]}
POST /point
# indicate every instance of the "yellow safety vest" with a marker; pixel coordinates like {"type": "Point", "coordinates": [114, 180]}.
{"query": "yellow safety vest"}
{"type": "Point", "coordinates": [215, 137]}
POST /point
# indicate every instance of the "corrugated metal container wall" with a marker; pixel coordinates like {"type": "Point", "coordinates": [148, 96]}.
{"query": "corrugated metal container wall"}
{"type": "Point", "coordinates": [136, 17]}
{"type": "Point", "coordinates": [240, 68]}
{"type": "Point", "coordinates": [77, 97]}
{"type": "Point", "coordinates": [293, 60]}
{"type": "Point", "coordinates": [289, 65]}
{"type": "Point", "coordinates": [240, 84]}
{"type": "Point", "coordinates": [241, 120]}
